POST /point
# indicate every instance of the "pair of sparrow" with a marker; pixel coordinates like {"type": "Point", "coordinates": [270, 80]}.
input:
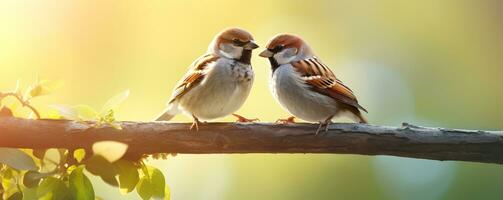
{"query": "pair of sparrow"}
{"type": "Point", "coordinates": [219, 82]}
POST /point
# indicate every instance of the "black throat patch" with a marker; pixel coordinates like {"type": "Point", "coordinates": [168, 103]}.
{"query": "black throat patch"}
{"type": "Point", "coordinates": [245, 57]}
{"type": "Point", "coordinates": [274, 64]}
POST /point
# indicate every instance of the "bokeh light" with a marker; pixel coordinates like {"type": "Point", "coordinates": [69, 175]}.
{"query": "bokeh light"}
{"type": "Point", "coordinates": [425, 62]}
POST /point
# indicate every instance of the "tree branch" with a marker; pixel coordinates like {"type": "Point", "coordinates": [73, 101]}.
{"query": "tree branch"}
{"type": "Point", "coordinates": [155, 137]}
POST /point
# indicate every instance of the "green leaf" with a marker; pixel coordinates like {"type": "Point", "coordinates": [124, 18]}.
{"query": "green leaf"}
{"type": "Point", "coordinates": [86, 112]}
{"type": "Point", "coordinates": [17, 159]}
{"type": "Point", "coordinates": [80, 186]}
{"type": "Point", "coordinates": [111, 180]}
{"type": "Point", "coordinates": [167, 193]}
{"type": "Point", "coordinates": [36, 90]}
{"type": "Point", "coordinates": [109, 119]}
{"type": "Point", "coordinates": [12, 104]}
{"type": "Point", "coordinates": [16, 196]}
{"type": "Point", "coordinates": [128, 175]}
{"type": "Point", "coordinates": [9, 186]}
{"type": "Point", "coordinates": [47, 196]}
{"type": "Point", "coordinates": [7, 173]}
{"type": "Point", "coordinates": [114, 102]}
{"type": "Point", "coordinates": [144, 190]}
{"type": "Point", "coordinates": [32, 178]}
{"type": "Point", "coordinates": [115, 125]}
{"type": "Point", "coordinates": [30, 193]}
{"type": "Point", "coordinates": [63, 155]}
{"type": "Point", "coordinates": [99, 166]}
{"type": "Point", "coordinates": [62, 192]}
{"type": "Point", "coordinates": [39, 153]}
{"type": "Point", "coordinates": [44, 87]}
{"type": "Point", "coordinates": [110, 150]}
{"type": "Point", "coordinates": [52, 114]}
{"type": "Point", "coordinates": [151, 185]}
{"type": "Point", "coordinates": [158, 182]}
{"type": "Point", "coordinates": [46, 186]}
{"type": "Point", "coordinates": [57, 188]}
{"type": "Point", "coordinates": [79, 154]}
{"type": "Point", "coordinates": [67, 112]}
{"type": "Point", "coordinates": [51, 160]}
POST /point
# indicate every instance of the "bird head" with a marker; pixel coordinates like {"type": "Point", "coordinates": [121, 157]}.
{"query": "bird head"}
{"type": "Point", "coordinates": [233, 43]}
{"type": "Point", "coordinates": [285, 48]}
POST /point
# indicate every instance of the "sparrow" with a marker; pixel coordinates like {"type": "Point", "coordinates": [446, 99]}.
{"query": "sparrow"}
{"type": "Point", "coordinates": [217, 83]}
{"type": "Point", "coordinates": [306, 87]}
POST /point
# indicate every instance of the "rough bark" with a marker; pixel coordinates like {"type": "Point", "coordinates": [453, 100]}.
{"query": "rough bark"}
{"type": "Point", "coordinates": [156, 137]}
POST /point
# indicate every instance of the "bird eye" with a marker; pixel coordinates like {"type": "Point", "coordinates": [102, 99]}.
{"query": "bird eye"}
{"type": "Point", "coordinates": [278, 48]}
{"type": "Point", "coordinates": [238, 42]}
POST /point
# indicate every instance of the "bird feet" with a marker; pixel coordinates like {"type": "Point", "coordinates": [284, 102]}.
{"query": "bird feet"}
{"type": "Point", "coordinates": [195, 123]}
{"type": "Point", "coordinates": [326, 123]}
{"type": "Point", "coordinates": [244, 119]}
{"type": "Point", "coordinates": [290, 120]}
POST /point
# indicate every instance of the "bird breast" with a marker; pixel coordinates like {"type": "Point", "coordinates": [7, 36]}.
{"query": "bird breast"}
{"type": "Point", "coordinates": [222, 92]}
{"type": "Point", "coordinates": [296, 96]}
{"type": "Point", "coordinates": [242, 73]}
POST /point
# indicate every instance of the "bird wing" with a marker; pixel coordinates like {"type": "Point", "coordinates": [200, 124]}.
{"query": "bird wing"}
{"type": "Point", "coordinates": [194, 76]}
{"type": "Point", "coordinates": [323, 80]}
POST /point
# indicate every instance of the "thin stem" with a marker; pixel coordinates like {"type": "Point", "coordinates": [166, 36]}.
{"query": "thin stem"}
{"type": "Point", "coordinates": [25, 103]}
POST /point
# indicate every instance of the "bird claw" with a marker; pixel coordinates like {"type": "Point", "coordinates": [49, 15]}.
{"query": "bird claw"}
{"type": "Point", "coordinates": [242, 119]}
{"type": "Point", "coordinates": [195, 123]}
{"type": "Point", "coordinates": [326, 123]}
{"type": "Point", "coordinates": [290, 120]}
{"type": "Point", "coordinates": [319, 128]}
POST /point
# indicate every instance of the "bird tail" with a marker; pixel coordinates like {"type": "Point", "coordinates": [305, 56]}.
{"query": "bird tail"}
{"type": "Point", "coordinates": [357, 116]}
{"type": "Point", "coordinates": [169, 113]}
{"type": "Point", "coordinates": [362, 118]}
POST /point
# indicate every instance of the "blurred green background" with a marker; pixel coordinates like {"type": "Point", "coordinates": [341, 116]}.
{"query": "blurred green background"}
{"type": "Point", "coordinates": [428, 62]}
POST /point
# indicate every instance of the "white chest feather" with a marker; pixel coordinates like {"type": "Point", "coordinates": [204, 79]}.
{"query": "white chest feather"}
{"type": "Point", "coordinates": [296, 96]}
{"type": "Point", "coordinates": [222, 92]}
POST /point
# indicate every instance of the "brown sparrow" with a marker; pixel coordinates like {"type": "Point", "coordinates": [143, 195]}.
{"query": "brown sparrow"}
{"type": "Point", "coordinates": [305, 86]}
{"type": "Point", "coordinates": [217, 83]}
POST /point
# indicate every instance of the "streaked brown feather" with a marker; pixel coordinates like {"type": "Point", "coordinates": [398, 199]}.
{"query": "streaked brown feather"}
{"type": "Point", "coordinates": [194, 76]}
{"type": "Point", "coordinates": [324, 81]}
{"type": "Point", "coordinates": [228, 35]}
{"type": "Point", "coordinates": [286, 40]}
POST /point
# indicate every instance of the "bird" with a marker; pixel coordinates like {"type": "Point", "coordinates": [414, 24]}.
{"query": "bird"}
{"type": "Point", "coordinates": [305, 86]}
{"type": "Point", "coordinates": [217, 83]}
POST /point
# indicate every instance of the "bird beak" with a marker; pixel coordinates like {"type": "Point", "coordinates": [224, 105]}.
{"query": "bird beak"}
{"type": "Point", "coordinates": [250, 45]}
{"type": "Point", "coordinates": [266, 53]}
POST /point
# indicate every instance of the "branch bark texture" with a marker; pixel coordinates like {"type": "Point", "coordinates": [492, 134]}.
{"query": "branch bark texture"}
{"type": "Point", "coordinates": [226, 138]}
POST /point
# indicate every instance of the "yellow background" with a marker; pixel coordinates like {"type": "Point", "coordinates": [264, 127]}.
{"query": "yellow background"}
{"type": "Point", "coordinates": [434, 63]}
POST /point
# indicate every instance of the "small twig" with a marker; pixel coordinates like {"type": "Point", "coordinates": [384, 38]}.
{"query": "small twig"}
{"type": "Point", "coordinates": [25, 103]}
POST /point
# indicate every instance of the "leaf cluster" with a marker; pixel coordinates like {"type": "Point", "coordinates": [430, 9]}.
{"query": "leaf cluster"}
{"type": "Point", "coordinates": [62, 174]}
